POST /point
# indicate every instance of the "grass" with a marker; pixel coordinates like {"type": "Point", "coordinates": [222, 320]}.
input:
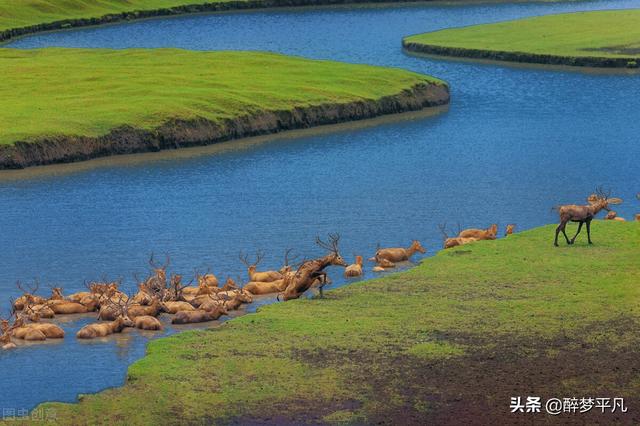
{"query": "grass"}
{"type": "Point", "coordinates": [53, 92]}
{"type": "Point", "coordinates": [21, 13]}
{"type": "Point", "coordinates": [470, 326]}
{"type": "Point", "coordinates": [608, 34]}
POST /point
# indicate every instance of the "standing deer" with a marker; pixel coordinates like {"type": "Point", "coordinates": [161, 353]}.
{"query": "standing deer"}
{"type": "Point", "coordinates": [254, 276]}
{"type": "Point", "coordinates": [311, 270]}
{"type": "Point", "coordinates": [583, 214]}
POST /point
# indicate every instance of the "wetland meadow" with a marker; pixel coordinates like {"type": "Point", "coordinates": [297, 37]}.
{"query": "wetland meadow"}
{"type": "Point", "coordinates": [280, 212]}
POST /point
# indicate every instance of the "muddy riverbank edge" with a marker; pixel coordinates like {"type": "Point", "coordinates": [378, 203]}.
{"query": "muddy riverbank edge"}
{"type": "Point", "coordinates": [179, 133]}
{"type": "Point", "coordinates": [523, 57]}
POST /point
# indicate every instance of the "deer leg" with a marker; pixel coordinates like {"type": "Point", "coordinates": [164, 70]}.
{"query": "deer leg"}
{"type": "Point", "coordinates": [589, 231]}
{"type": "Point", "coordinates": [561, 227]}
{"type": "Point", "coordinates": [579, 228]}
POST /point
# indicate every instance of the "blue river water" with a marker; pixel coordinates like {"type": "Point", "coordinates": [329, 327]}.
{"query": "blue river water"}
{"type": "Point", "coordinates": [514, 142]}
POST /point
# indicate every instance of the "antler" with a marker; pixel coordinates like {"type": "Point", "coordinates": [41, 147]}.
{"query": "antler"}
{"type": "Point", "coordinates": [154, 265]}
{"type": "Point", "coordinates": [120, 306]}
{"type": "Point", "coordinates": [331, 245]}
{"type": "Point", "coordinates": [443, 229]}
{"type": "Point", "coordinates": [287, 252]}
{"type": "Point", "coordinates": [32, 288]}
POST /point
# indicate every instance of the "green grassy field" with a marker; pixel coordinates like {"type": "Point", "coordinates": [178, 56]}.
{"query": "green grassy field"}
{"type": "Point", "coordinates": [20, 13]}
{"type": "Point", "coordinates": [446, 342]}
{"type": "Point", "coordinates": [52, 92]}
{"type": "Point", "coordinates": [606, 34]}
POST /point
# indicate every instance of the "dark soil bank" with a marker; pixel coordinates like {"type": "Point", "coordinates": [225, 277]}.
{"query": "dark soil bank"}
{"type": "Point", "coordinates": [182, 133]}
{"type": "Point", "coordinates": [582, 61]}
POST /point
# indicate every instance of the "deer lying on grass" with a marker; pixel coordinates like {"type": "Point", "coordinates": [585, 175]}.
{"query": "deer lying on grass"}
{"type": "Point", "coordinates": [398, 254]}
{"type": "Point", "coordinates": [510, 230]}
{"type": "Point", "coordinates": [312, 270]}
{"type": "Point", "coordinates": [254, 276]}
{"type": "Point", "coordinates": [614, 216]}
{"type": "Point", "coordinates": [583, 214]}
{"type": "Point", "coordinates": [199, 315]}
{"type": "Point", "coordinates": [355, 269]}
{"type": "Point", "coordinates": [480, 234]}
{"type": "Point", "coordinates": [147, 322]}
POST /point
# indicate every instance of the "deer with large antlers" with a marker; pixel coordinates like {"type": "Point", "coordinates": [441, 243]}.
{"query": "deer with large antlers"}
{"type": "Point", "coordinates": [583, 214]}
{"type": "Point", "coordinates": [254, 275]}
{"type": "Point", "coordinates": [29, 296]}
{"type": "Point", "coordinates": [312, 270]}
{"type": "Point", "coordinates": [120, 306]}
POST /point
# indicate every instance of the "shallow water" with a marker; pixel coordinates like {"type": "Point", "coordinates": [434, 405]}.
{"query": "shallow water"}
{"type": "Point", "coordinates": [514, 142]}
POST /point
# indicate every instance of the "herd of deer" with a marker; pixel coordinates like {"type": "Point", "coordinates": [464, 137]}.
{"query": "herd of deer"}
{"type": "Point", "coordinates": [208, 301]}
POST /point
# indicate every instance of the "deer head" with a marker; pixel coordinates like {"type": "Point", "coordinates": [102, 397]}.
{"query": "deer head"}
{"type": "Point", "coordinates": [602, 199]}
{"type": "Point", "coordinates": [415, 245]}
{"type": "Point", "coordinates": [160, 270]}
{"type": "Point", "coordinates": [332, 247]}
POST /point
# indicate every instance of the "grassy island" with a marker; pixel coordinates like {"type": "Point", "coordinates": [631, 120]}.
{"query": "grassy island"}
{"type": "Point", "coordinates": [63, 105]}
{"type": "Point", "coordinates": [449, 341]}
{"type": "Point", "coordinates": [597, 39]}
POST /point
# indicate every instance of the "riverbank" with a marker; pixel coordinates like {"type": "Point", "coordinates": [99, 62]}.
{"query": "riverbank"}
{"type": "Point", "coordinates": [602, 39]}
{"type": "Point", "coordinates": [18, 18]}
{"type": "Point", "coordinates": [95, 103]}
{"type": "Point", "coordinates": [448, 342]}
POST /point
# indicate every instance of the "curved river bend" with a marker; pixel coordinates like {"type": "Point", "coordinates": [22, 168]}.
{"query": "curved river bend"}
{"type": "Point", "coordinates": [514, 142]}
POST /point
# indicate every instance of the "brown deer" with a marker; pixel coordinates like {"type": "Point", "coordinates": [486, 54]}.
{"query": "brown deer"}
{"type": "Point", "coordinates": [480, 234]}
{"type": "Point", "coordinates": [254, 276]}
{"type": "Point", "coordinates": [510, 230]}
{"type": "Point", "coordinates": [147, 322]}
{"type": "Point", "coordinates": [583, 214]}
{"type": "Point", "coordinates": [260, 288]}
{"type": "Point", "coordinates": [92, 331]}
{"type": "Point", "coordinates": [172, 307]}
{"type": "Point", "coordinates": [355, 269]}
{"type": "Point", "coordinates": [450, 242]}
{"type": "Point", "coordinates": [56, 293]}
{"type": "Point", "coordinates": [120, 306]}
{"type": "Point", "coordinates": [311, 270]}
{"type": "Point", "coordinates": [199, 315]}
{"type": "Point", "coordinates": [237, 300]}
{"type": "Point", "coordinates": [398, 254]}
{"type": "Point", "coordinates": [29, 296]}
{"type": "Point", "coordinates": [614, 216]}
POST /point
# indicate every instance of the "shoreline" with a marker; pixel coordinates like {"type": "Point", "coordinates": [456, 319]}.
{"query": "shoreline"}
{"type": "Point", "coordinates": [178, 133]}
{"type": "Point", "coordinates": [629, 63]}
{"type": "Point", "coordinates": [12, 34]}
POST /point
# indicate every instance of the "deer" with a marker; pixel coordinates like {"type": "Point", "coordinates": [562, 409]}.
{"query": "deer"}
{"type": "Point", "coordinates": [29, 296]}
{"type": "Point", "coordinates": [398, 254]}
{"type": "Point", "coordinates": [7, 325]}
{"type": "Point", "coordinates": [56, 293]}
{"type": "Point", "coordinates": [480, 234]}
{"type": "Point", "coordinates": [583, 214]}
{"type": "Point", "coordinates": [355, 269]}
{"type": "Point", "coordinates": [237, 300]}
{"type": "Point", "coordinates": [35, 330]}
{"type": "Point", "coordinates": [199, 315]}
{"type": "Point", "coordinates": [172, 307]}
{"type": "Point", "coordinates": [310, 270]}
{"type": "Point", "coordinates": [614, 216]}
{"type": "Point", "coordinates": [510, 230]}
{"type": "Point", "coordinates": [450, 242]}
{"type": "Point", "coordinates": [147, 322]}
{"type": "Point", "coordinates": [261, 287]}
{"type": "Point", "coordinates": [121, 321]}
{"type": "Point", "coordinates": [254, 276]}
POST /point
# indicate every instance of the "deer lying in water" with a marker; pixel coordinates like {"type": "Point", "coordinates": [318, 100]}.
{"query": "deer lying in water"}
{"type": "Point", "coordinates": [254, 276]}
{"type": "Point", "coordinates": [199, 315]}
{"type": "Point", "coordinates": [122, 320]}
{"type": "Point", "coordinates": [172, 307]}
{"type": "Point", "coordinates": [312, 270]}
{"type": "Point", "coordinates": [583, 214]}
{"type": "Point", "coordinates": [355, 269]}
{"type": "Point", "coordinates": [147, 322]}
{"type": "Point", "coordinates": [398, 254]}
{"type": "Point", "coordinates": [28, 297]}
